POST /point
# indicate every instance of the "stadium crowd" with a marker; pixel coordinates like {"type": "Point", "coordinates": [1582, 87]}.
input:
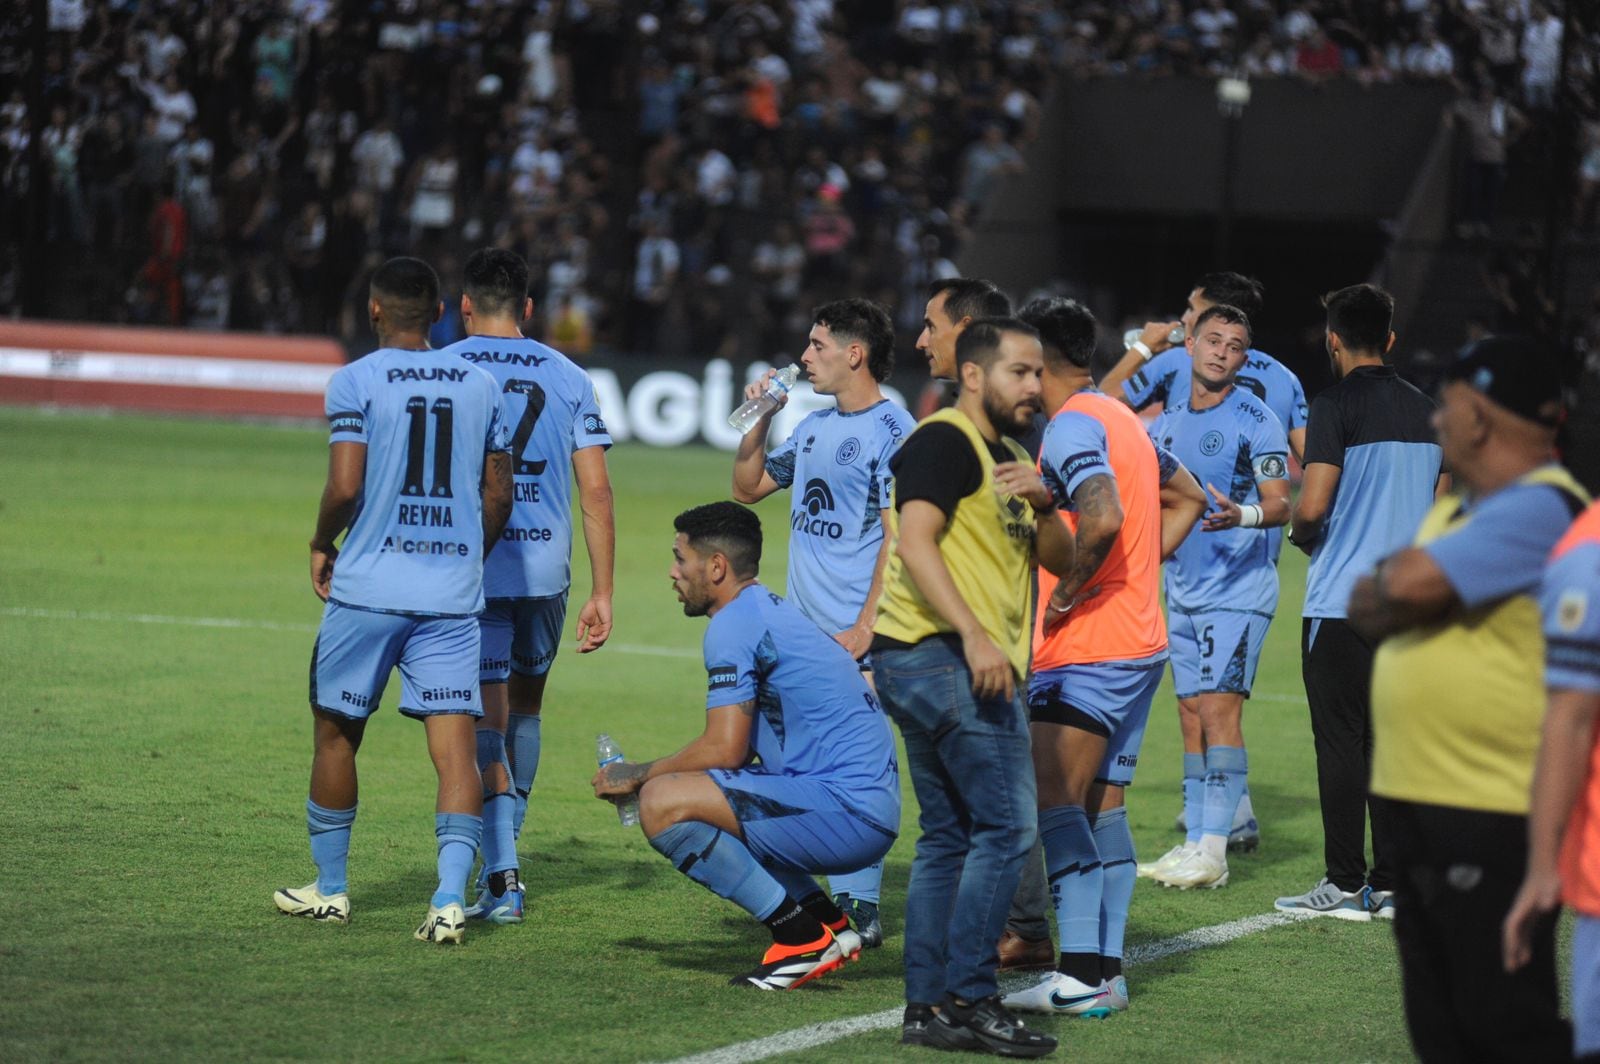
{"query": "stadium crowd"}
{"type": "Point", "coordinates": [244, 165]}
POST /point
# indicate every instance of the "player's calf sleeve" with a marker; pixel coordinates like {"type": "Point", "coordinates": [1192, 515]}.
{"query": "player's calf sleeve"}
{"type": "Point", "coordinates": [522, 745]}
{"type": "Point", "coordinates": [1077, 882]}
{"type": "Point", "coordinates": [330, 844]}
{"type": "Point", "coordinates": [499, 808]}
{"type": "Point", "coordinates": [458, 835]}
{"type": "Point", "coordinates": [1194, 795]}
{"type": "Point", "coordinates": [864, 885]}
{"type": "Point", "coordinates": [720, 863]}
{"type": "Point", "coordinates": [1115, 843]}
{"type": "Point", "coordinates": [1226, 769]}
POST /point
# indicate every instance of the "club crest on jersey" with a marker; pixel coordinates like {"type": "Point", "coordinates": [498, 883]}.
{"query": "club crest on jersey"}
{"type": "Point", "coordinates": [1211, 443]}
{"type": "Point", "coordinates": [847, 451]}
{"type": "Point", "coordinates": [814, 515]}
{"type": "Point", "coordinates": [1571, 608]}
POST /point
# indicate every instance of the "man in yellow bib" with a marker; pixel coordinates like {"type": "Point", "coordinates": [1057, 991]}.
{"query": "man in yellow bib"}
{"type": "Point", "coordinates": [1457, 695]}
{"type": "Point", "coordinates": [950, 650]}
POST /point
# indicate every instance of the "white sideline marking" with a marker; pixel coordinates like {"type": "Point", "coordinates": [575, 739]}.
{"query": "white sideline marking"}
{"type": "Point", "coordinates": [819, 1034]}
{"type": "Point", "coordinates": [265, 626]}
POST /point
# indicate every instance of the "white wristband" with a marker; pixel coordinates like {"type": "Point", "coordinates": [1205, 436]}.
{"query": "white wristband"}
{"type": "Point", "coordinates": [1145, 354]}
{"type": "Point", "coordinates": [1249, 515]}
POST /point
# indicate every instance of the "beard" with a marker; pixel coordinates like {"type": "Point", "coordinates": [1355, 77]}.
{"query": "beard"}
{"type": "Point", "coordinates": [1010, 419]}
{"type": "Point", "coordinates": [696, 607]}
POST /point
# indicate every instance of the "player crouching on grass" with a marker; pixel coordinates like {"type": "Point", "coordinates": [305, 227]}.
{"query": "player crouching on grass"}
{"type": "Point", "coordinates": [825, 796]}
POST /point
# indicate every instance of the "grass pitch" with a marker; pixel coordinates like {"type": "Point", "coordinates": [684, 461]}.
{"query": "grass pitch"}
{"type": "Point", "coordinates": [156, 624]}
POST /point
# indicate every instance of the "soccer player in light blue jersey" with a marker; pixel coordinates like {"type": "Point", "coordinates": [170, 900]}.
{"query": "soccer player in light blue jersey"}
{"type": "Point", "coordinates": [420, 476]}
{"type": "Point", "coordinates": [1155, 370]}
{"type": "Point", "coordinates": [556, 426]}
{"type": "Point", "coordinates": [836, 463]}
{"type": "Point", "coordinates": [1222, 585]}
{"type": "Point", "coordinates": [825, 795]}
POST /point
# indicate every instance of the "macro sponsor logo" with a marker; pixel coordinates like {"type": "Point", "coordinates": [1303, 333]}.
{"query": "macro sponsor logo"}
{"type": "Point", "coordinates": [1127, 760]}
{"type": "Point", "coordinates": [350, 698]}
{"type": "Point", "coordinates": [815, 503]}
{"type": "Point", "coordinates": [720, 676]}
{"type": "Point", "coordinates": [526, 535]}
{"type": "Point", "coordinates": [426, 373]}
{"type": "Point", "coordinates": [493, 664]}
{"type": "Point", "coordinates": [594, 424]}
{"type": "Point", "coordinates": [347, 421]}
{"type": "Point", "coordinates": [895, 431]}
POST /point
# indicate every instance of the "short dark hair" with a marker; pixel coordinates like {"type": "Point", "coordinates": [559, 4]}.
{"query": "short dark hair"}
{"type": "Point", "coordinates": [408, 291]}
{"type": "Point", "coordinates": [725, 528]}
{"type": "Point", "coordinates": [971, 297]}
{"type": "Point", "coordinates": [866, 322]}
{"type": "Point", "coordinates": [1228, 315]}
{"type": "Point", "coordinates": [1362, 315]}
{"type": "Point", "coordinates": [1066, 329]}
{"type": "Point", "coordinates": [980, 341]}
{"type": "Point", "coordinates": [1234, 289]}
{"type": "Point", "coordinates": [497, 281]}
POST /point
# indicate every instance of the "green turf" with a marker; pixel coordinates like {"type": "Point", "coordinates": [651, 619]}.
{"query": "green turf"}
{"type": "Point", "coordinates": [155, 778]}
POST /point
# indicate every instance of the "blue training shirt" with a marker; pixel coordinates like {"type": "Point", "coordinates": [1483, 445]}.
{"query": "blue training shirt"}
{"type": "Point", "coordinates": [1569, 601]}
{"type": "Point", "coordinates": [815, 715]}
{"type": "Point", "coordinates": [1231, 446]}
{"type": "Point", "coordinates": [840, 463]}
{"type": "Point", "coordinates": [427, 420]}
{"type": "Point", "coordinates": [1376, 428]}
{"type": "Point", "coordinates": [551, 407]}
{"type": "Point", "coordinates": [1073, 450]}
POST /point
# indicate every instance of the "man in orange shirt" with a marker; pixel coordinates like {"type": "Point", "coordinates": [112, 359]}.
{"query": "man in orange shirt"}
{"type": "Point", "coordinates": [1099, 649]}
{"type": "Point", "coordinates": [1564, 821]}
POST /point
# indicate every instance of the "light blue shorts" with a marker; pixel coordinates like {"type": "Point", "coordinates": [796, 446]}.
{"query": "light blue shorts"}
{"type": "Point", "coordinates": [1216, 651]}
{"type": "Point", "coordinates": [1110, 699]}
{"type": "Point", "coordinates": [520, 635]}
{"type": "Point", "coordinates": [1586, 986]}
{"type": "Point", "coordinates": [799, 823]}
{"type": "Point", "coordinates": [356, 649]}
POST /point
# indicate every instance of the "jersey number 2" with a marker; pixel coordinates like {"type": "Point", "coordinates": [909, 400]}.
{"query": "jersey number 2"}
{"type": "Point", "coordinates": [417, 445]}
{"type": "Point", "coordinates": [527, 467]}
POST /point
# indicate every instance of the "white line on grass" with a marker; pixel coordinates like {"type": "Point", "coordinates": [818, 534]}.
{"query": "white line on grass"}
{"type": "Point", "coordinates": [819, 1034]}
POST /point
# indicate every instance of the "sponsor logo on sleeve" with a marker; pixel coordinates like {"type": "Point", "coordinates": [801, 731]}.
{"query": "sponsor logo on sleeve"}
{"type": "Point", "coordinates": [346, 421]}
{"type": "Point", "coordinates": [594, 424]}
{"type": "Point", "coordinates": [1571, 608]}
{"type": "Point", "coordinates": [721, 676]}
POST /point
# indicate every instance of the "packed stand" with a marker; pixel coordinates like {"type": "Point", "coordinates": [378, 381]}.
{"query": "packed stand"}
{"type": "Point", "coordinates": [244, 165]}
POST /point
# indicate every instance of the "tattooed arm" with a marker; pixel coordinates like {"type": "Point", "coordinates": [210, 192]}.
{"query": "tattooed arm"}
{"type": "Point", "coordinates": [1099, 521]}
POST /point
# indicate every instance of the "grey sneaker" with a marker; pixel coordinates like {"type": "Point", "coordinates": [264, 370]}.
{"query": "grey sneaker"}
{"type": "Point", "coordinates": [1325, 899]}
{"type": "Point", "coordinates": [1380, 903]}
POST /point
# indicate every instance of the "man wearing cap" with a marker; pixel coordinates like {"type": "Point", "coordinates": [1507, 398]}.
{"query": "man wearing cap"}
{"type": "Point", "coordinates": [1457, 696]}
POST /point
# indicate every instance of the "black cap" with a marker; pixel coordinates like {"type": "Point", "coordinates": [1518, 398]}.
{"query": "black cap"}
{"type": "Point", "coordinates": [1519, 373]}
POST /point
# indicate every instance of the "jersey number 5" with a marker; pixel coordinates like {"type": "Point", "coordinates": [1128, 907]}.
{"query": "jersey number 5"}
{"type": "Point", "coordinates": [417, 445]}
{"type": "Point", "coordinates": [526, 467]}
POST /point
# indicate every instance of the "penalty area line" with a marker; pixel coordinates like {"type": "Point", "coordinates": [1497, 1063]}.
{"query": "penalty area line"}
{"type": "Point", "coordinates": [820, 1034]}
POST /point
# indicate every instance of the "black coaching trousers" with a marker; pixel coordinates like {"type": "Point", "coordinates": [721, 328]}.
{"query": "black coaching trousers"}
{"type": "Point", "coordinates": [1456, 872]}
{"type": "Point", "coordinates": [1337, 669]}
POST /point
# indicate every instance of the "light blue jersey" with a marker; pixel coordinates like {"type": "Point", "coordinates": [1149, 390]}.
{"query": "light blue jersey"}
{"type": "Point", "coordinates": [815, 716]}
{"type": "Point", "coordinates": [837, 467]}
{"type": "Point", "coordinates": [1231, 446]}
{"type": "Point", "coordinates": [1167, 376]}
{"type": "Point", "coordinates": [551, 406]}
{"type": "Point", "coordinates": [427, 420]}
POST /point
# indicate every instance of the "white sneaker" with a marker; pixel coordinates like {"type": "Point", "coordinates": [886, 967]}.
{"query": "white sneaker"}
{"type": "Point", "coordinates": [311, 902]}
{"type": "Point", "coordinates": [1198, 870]}
{"type": "Point", "coordinates": [1170, 859]}
{"type": "Point", "coordinates": [445, 924]}
{"type": "Point", "coordinates": [1119, 994]}
{"type": "Point", "coordinates": [1062, 995]}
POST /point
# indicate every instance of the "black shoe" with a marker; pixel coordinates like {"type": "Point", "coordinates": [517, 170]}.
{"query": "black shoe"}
{"type": "Point", "coordinates": [864, 918]}
{"type": "Point", "coordinates": [945, 1032]}
{"type": "Point", "coordinates": [914, 1027]}
{"type": "Point", "coordinates": [991, 1029]}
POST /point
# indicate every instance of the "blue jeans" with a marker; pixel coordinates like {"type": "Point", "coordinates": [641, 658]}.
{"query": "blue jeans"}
{"type": "Point", "coordinates": [972, 768]}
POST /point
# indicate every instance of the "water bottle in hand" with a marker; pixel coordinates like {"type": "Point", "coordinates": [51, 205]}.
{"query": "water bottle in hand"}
{"type": "Point", "coordinates": [606, 752]}
{"type": "Point", "coordinates": [745, 418]}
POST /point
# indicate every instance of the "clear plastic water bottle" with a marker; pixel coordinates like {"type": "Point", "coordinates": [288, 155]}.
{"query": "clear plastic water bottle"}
{"type": "Point", "coordinates": [744, 419]}
{"type": "Point", "coordinates": [1175, 337]}
{"type": "Point", "coordinates": [607, 751]}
